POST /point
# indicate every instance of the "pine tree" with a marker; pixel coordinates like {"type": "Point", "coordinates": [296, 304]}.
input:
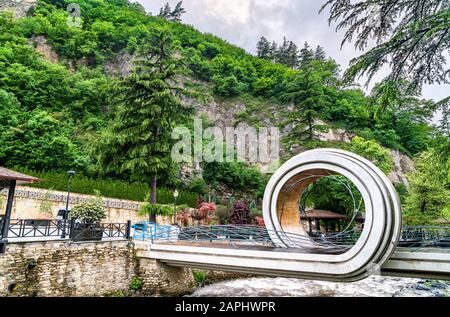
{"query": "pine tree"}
{"type": "Point", "coordinates": [175, 15]}
{"type": "Point", "coordinates": [411, 36]}
{"type": "Point", "coordinates": [319, 54]}
{"type": "Point", "coordinates": [292, 56]}
{"type": "Point", "coordinates": [273, 51]}
{"type": "Point", "coordinates": [263, 48]}
{"type": "Point", "coordinates": [139, 141]}
{"type": "Point", "coordinates": [306, 55]}
{"type": "Point", "coordinates": [164, 12]}
{"type": "Point", "coordinates": [282, 53]}
{"type": "Point", "coordinates": [308, 94]}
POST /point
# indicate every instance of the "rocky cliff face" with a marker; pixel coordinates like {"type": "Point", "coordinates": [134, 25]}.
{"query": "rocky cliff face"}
{"type": "Point", "coordinates": [403, 165]}
{"type": "Point", "coordinates": [18, 7]}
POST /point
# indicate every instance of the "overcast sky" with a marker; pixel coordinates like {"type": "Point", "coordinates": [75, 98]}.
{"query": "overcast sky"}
{"type": "Point", "coordinates": [243, 22]}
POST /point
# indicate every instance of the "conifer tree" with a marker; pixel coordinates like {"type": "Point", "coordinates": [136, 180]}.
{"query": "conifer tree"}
{"type": "Point", "coordinates": [319, 53]}
{"type": "Point", "coordinates": [273, 51]}
{"type": "Point", "coordinates": [263, 48]}
{"type": "Point", "coordinates": [282, 53]}
{"type": "Point", "coordinates": [292, 56]}
{"type": "Point", "coordinates": [308, 94]}
{"type": "Point", "coordinates": [139, 141]}
{"type": "Point", "coordinates": [175, 15]}
{"type": "Point", "coordinates": [306, 55]}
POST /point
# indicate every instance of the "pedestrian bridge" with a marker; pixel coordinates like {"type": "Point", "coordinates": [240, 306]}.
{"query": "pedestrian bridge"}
{"type": "Point", "coordinates": [286, 249]}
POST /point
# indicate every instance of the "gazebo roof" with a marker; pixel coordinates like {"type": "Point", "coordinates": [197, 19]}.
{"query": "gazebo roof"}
{"type": "Point", "coordinates": [322, 214]}
{"type": "Point", "coordinates": [6, 174]}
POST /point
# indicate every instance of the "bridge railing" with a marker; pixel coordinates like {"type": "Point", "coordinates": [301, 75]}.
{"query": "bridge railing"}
{"type": "Point", "coordinates": [49, 228]}
{"type": "Point", "coordinates": [412, 237]}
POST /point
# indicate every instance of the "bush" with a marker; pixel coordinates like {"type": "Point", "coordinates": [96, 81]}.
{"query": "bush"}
{"type": "Point", "coordinates": [374, 152]}
{"type": "Point", "coordinates": [91, 211]}
{"type": "Point", "coordinates": [254, 212]}
{"type": "Point", "coordinates": [240, 214]}
{"type": "Point", "coordinates": [109, 188]}
{"type": "Point", "coordinates": [222, 214]}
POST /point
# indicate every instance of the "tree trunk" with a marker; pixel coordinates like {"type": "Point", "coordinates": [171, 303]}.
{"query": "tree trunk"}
{"type": "Point", "coordinates": [152, 218]}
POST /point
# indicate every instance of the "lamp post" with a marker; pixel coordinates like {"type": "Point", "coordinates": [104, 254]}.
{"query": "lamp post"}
{"type": "Point", "coordinates": [70, 174]}
{"type": "Point", "coordinates": [175, 196]}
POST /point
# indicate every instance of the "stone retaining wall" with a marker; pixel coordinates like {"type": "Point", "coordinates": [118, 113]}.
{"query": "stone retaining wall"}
{"type": "Point", "coordinates": [64, 268]}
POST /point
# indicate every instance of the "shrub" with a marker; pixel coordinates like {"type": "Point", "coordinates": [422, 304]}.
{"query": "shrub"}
{"type": "Point", "coordinates": [205, 211]}
{"type": "Point", "coordinates": [260, 221]}
{"type": "Point", "coordinates": [222, 214]}
{"type": "Point", "coordinates": [183, 216]}
{"type": "Point", "coordinates": [91, 211]}
{"type": "Point", "coordinates": [374, 152]}
{"type": "Point", "coordinates": [109, 188]}
{"type": "Point", "coordinates": [254, 212]}
{"type": "Point", "coordinates": [240, 214]}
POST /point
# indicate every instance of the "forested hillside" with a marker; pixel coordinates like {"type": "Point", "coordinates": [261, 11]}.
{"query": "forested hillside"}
{"type": "Point", "coordinates": [58, 92]}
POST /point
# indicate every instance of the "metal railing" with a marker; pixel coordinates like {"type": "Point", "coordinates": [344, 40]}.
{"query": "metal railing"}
{"type": "Point", "coordinates": [32, 228]}
{"type": "Point", "coordinates": [412, 237]}
{"type": "Point", "coordinates": [425, 236]}
{"type": "Point", "coordinates": [37, 228]}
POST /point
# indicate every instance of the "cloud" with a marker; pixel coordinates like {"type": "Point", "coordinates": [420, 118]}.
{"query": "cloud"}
{"type": "Point", "coordinates": [243, 22]}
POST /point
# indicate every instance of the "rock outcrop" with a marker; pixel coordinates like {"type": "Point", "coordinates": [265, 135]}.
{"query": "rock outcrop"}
{"type": "Point", "coordinates": [18, 7]}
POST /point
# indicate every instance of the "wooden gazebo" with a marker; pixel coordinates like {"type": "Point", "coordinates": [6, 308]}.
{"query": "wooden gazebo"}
{"type": "Point", "coordinates": [9, 179]}
{"type": "Point", "coordinates": [325, 215]}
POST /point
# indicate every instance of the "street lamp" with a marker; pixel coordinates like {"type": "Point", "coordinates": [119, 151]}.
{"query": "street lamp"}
{"type": "Point", "coordinates": [175, 196]}
{"type": "Point", "coordinates": [70, 175]}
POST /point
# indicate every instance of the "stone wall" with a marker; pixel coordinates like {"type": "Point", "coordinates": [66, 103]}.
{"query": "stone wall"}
{"type": "Point", "coordinates": [163, 280]}
{"type": "Point", "coordinates": [28, 202]}
{"type": "Point", "coordinates": [64, 268]}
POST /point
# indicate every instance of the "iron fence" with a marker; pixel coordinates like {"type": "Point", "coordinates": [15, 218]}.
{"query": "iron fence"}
{"type": "Point", "coordinates": [38, 228]}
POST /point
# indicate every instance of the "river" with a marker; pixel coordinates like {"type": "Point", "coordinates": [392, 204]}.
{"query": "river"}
{"type": "Point", "coordinates": [374, 286]}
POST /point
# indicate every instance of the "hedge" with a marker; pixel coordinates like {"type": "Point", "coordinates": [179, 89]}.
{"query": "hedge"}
{"type": "Point", "coordinates": [107, 187]}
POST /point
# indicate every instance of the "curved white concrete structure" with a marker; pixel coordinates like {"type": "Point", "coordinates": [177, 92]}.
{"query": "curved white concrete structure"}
{"type": "Point", "coordinates": [382, 226]}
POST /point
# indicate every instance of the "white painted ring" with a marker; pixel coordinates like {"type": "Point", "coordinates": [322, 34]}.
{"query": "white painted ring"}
{"type": "Point", "coordinates": [382, 227]}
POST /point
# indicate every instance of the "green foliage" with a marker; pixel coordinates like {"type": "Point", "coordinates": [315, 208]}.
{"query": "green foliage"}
{"type": "Point", "coordinates": [135, 284]}
{"type": "Point", "coordinates": [45, 205]}
{"type": "Point", "coordinates": [372, 151]}
{"type": "Point", "coordinates": [199, 277]}
{"type": "Point", "coordinates": [235, 175]}
{"type": "Point", "coordinates": [155, 210]}
{"type": "Point", "coordinates": [412, 42]}
{"type": "Point", "coordinates": [91, 211]}
{"type": "Point", "coordinates": [429, 190]}
{"type": "Point", "coordinates": [333, 193]}
{"type": "Point", "coordinates": [139, 141]}
{"type": "Point", "coordinates": [222, 214]}
{"type": "Point", "coordinates": [73, 95]}
{"type": "Point", "coordinates": [310, 97]}
{"type": "Point", "coordinates": [254, 212]}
